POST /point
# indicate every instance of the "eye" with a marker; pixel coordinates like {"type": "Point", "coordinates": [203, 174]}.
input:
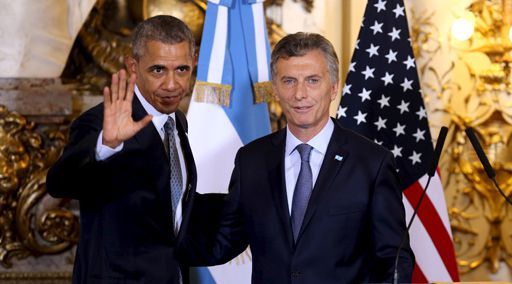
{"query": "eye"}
{"type": "Point", "coordinates": [313, 81]}
{"type": "Point", "coordinates": [288, 82]}
{"type": "Point", "coordinates": [183, 69]}
{"type": "Point", "coordinates": [158, 70]}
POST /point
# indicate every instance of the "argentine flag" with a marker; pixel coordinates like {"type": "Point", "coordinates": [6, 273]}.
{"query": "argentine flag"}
{"type": "Point", "coordinates": [228, 107]}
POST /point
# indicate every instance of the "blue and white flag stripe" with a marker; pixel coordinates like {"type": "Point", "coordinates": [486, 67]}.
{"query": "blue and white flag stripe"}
{"type": "Point", "coordinates": [256, 35]}
{"type": "Point", "coordinates": [214, 47]}
{"type": "Point", "coordinates": [233, 61]}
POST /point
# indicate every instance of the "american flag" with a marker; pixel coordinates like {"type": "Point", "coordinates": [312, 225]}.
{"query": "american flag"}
{"type": "Point", "coordinates": [382, 101]}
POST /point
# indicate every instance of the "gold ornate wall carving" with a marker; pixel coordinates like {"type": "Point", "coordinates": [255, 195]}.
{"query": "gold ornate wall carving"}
{"type": "Point", "coordinates": [31, 223]}
{"type": "Point", "coordinates": [474, 90]}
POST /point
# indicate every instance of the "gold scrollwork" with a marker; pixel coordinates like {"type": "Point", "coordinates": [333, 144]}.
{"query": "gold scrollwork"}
{"type": "Point", "coordinates": [472, 93]}
{"type": "Point", "coordinates": [24, 159]}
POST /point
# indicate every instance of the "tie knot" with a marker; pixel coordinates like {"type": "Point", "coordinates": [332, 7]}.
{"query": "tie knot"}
{"type": "Point", "coordinates": [304, 151]}
{"type": "Point", "coordinates": [169, 125]}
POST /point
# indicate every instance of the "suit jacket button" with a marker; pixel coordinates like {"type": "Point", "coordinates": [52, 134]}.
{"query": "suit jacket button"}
{"type": "Point", "coordinates": [296, 274]}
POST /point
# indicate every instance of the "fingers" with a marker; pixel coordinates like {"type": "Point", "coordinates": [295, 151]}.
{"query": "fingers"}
{"type": "Point", "coordinates": [131, 87]}
{"type": "Point", "coordinates": [121, 88]}
{"type": "Point", "coordinates": [114, 87]}
{"type": "Point", "coordinates": [106, 97]}
{"type": "Point", "coordinates": [122, 84]}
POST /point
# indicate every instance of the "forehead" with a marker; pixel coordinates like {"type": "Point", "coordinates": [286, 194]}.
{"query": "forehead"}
{"type": "Point", "coordinates": [156, 50]}
{"type": "Point", "coordinates": [312, 62]}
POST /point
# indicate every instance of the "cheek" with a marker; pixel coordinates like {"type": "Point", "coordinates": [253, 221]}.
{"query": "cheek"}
{"type": "Point", "coordinates": [184, 80]}
{"type": "Point", "coordinates": [285, 96]}
{"type": "Point", "coordinates": [152, 84]}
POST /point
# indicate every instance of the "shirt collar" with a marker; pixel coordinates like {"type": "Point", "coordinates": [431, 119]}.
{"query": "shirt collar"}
{"type": "Point", "coordinates": [319, 142]}
{"type": "Point", "coordinates": [159, 118]}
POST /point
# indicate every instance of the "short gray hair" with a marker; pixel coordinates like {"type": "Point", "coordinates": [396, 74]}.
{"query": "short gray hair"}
{"type": "Point", "coordinates": [163, 28]}
{"type": "Point", "coordinates": [299, 44]}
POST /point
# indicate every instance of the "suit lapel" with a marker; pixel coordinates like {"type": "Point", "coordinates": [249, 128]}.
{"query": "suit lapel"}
{"type": "Point", "coordinates": [333, 161]}
{"type": "Point", "coordinates": [158, 169]}
{"type": "Point", "coordinates": [275, 166]}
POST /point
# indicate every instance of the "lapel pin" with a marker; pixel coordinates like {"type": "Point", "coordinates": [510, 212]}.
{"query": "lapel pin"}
{"type": "Point", "coordinates": [338, 158]}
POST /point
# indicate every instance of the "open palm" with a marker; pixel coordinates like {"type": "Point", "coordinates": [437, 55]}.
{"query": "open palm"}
{"type": "Point", "coordinates": [118, 124]}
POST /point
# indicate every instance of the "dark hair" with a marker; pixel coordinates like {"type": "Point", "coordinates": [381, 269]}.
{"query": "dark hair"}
{"type": "Point", "coordinates": [163, 28]}
{"type": "Point", "coordinates": [299, 44]}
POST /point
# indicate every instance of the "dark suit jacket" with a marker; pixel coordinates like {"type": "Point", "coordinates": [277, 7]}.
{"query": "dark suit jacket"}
{"type": "Point", "coordinates": [351, 229]}
{"type": "Point", "coordinates": [126, 233]}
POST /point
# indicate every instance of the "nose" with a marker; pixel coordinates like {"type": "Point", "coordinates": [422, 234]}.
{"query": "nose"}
{"type": "Point", "coordinates": [300, 91]}
{"type": "Point", "coordinates": [170, 82]}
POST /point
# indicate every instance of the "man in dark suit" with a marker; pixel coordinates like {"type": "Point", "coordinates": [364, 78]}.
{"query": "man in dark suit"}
{"type": "Point", "coordinates": [129, 164]}
{"type": "Point", "coordinates": [316, 202]}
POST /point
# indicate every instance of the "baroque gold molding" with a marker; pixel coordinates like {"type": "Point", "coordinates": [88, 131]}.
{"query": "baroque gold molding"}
{"type": "Point", "coordinates": [31, 223]}
{"type": "Point", "coordinates": [472, 90]}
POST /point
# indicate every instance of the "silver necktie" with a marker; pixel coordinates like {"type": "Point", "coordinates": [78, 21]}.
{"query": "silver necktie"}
{"type": "Point", "coordinates": [176, 177]}
{"type": "Point", "coordinates": [303, 189]}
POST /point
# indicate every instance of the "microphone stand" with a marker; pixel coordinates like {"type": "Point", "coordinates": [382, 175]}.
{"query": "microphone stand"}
{"type": "Point", "coordinates": [500, 190]}
{"type": "Point", "coordinates": [395, 273]}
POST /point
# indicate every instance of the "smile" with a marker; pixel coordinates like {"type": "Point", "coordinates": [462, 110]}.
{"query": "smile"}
{"type": "Point", "coordinates": [302, 108]}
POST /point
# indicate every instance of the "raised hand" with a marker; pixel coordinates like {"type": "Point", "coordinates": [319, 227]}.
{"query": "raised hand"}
{"type": "Point", "coordinates": [118, 124]}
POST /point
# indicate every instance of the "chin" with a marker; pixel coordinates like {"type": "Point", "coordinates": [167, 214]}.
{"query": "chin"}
{"type": "Point", "coordinates": [167, 109]}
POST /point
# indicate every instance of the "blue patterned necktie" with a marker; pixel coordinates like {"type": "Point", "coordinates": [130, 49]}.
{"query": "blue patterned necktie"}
{"type": "Point", "coordinates": [303, 189]}
{"type": "Point", "coordinates": [176, 177]}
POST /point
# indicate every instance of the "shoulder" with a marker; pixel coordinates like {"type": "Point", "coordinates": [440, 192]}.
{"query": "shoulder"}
{"type": "Point", "coordinates": [92, 117]}
{"type": "Point", "coordinates": [266, 143]}
{"type": "Point", "coordinates": [357, 144]}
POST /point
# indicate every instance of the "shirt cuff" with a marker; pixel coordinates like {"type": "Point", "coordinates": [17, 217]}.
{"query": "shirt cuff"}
{"type": "Point", "coordinates": [104, 152]}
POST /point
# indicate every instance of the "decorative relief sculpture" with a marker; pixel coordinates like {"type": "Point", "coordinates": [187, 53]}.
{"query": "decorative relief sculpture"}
{"type": "Point", "coordinates": [30, 224]}
{"type": "Point", "coordinates": [474, 90]}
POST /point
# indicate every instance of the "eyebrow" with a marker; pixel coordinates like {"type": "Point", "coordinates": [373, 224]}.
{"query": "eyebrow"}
{"type": "Point", "coordinates": [287, 78]}
{"type": "Point", "coordinates": [307, 77]}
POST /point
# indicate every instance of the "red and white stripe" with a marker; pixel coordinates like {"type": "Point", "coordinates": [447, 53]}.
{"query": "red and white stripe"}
{"type": "Point", "coordinates": [430, 233]}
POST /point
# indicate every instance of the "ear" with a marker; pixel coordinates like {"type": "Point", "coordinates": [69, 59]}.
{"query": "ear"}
{"type": "Point", "coordinates": [131, 64]}
{"type": "Point", "coordinates": [274, 91]}
{"type": "Point", "coordinates": [334, 90]}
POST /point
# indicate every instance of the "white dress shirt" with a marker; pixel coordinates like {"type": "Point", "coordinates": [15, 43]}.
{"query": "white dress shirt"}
{"type": "Point", "coordinates": [103, 152]}
{"type": "Point", "coordinates": [292, 159]}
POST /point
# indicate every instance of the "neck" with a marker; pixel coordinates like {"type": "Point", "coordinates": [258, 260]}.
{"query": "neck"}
{"type": "Point", "coordinates": [305, 134]}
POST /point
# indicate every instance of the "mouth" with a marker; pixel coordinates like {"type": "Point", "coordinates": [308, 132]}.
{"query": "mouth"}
{"type": "Point", "coordinates": [169, 98]}
{"type": "Point", "coordinates": [302, 108]}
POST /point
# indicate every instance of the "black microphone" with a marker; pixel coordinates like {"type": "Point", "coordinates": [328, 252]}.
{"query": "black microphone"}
{"type": "Point", "coordinates": [485, 162]}
{"type": "Point", "coordinates": [480, 153]}
{"type": "Point", "coordinates": [437, 153]}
